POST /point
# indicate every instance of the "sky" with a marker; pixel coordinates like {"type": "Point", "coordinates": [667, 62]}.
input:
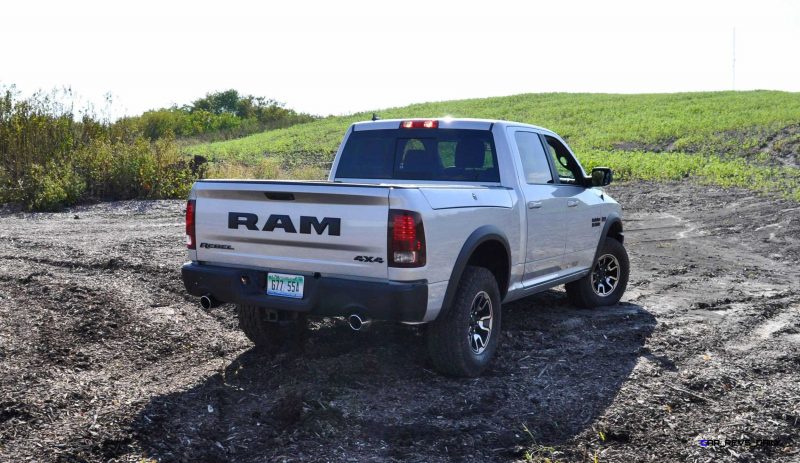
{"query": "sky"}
{"type": "Point", "coordinates": [339, 57]}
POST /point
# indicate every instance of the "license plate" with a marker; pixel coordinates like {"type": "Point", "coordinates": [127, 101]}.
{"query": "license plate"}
{"type": "Point", "coordinates": [281, 284]}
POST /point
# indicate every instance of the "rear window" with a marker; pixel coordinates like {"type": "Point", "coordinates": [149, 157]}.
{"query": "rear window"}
{"type": "Point", "coordinates": [420, 154]}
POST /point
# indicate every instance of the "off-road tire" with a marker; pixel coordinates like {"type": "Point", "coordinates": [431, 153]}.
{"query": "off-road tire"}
{"type": "Point", "coordinates": [581, 292]}
{"type": "Point", "coordinates": [271, 337]}
{"type": "Point", "coordinates": [448, 337]}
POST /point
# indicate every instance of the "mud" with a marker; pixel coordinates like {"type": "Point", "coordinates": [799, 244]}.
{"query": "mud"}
{"type": "Point", "coordinates": [105, 358]}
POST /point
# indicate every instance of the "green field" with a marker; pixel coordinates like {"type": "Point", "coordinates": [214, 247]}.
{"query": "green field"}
{"type": "Point", "coordinates": [746, 139]}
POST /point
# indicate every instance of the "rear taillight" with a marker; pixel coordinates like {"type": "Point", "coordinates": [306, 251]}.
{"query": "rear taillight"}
{"type": "Point", "coordinates": [190, 238]}
{"type": "Point", "coordinates": [420, 124]}
{"type": "Point", "coordinates": [406, 239]}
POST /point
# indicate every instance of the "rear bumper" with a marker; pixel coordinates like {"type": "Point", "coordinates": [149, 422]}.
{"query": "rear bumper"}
{"type": "Point", "coordinates": [322, 296]}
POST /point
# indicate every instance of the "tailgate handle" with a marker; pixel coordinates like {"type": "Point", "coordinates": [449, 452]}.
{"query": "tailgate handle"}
{"type": "Point", "coordinates": [279, 195]}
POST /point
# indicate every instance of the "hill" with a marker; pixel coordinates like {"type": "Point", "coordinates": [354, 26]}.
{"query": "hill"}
{"type": "Point", "coordinates": [748, 139]}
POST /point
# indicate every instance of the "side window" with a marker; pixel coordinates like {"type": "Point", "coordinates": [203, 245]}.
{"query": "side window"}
{"type": "Point", "coordinates": [568, 169]}
{"type": "Point", "coordinates": [534, 159]}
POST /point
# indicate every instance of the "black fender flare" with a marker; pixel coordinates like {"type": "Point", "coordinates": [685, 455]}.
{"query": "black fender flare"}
{"type": "Point", "coordinates": [476, 238]}
{"type": "Point", "coordinates": [611, 219]}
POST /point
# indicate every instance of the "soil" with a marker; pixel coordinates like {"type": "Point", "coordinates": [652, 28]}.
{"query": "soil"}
{"type": "Point", "coordinates": [104, 357]}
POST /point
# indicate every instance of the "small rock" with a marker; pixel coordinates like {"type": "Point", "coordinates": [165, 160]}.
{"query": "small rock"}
{"type": "Point", "coordinates": [76, 217]}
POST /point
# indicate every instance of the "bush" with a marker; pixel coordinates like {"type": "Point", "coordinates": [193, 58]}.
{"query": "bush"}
{"type": "Point", "coordinates": [51, 187]}
{"type": "Point", "coordinates": [218, 116]}
{"type": "Point", "coordinates": [49, 160]}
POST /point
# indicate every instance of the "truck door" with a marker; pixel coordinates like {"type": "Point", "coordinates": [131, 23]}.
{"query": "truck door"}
{"type": "Point", "coordinates": [545, 210]}
{"type": "Point", "coordinates": [583, 219]}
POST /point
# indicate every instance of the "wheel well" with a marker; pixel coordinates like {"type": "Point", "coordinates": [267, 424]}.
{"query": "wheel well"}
{"type": "Point", "coordinates": [615, 231]}
{"type": "Point", "coordinates": [493, 256]}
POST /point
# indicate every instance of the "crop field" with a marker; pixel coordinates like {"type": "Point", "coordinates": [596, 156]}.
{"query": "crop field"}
{"type": "Point", "coordinates": [744, 139]}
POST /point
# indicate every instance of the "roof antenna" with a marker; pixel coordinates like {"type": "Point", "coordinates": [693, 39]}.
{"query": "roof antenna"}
{"type": "Point", "coordinates": [375, 117]}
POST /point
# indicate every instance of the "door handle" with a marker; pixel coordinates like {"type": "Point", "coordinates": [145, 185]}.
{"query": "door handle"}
{"type": "Point", "coordinates": [534, 204]}
{"type": "Point", "coordinates": [572, 203]}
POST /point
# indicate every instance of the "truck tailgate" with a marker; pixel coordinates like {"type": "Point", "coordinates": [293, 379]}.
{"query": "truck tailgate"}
{"type": "Point", "coordinates": [293, 226]}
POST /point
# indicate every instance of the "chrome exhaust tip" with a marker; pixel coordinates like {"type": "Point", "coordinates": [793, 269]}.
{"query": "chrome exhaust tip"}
{"type": "Point", "coordinates": [208, 301]}
{"type": "Point", "coordinates": [357, 323]}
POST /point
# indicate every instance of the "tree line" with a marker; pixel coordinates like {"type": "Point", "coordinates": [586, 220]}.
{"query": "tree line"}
{"type": "Point", "coordinates": [219, 115]}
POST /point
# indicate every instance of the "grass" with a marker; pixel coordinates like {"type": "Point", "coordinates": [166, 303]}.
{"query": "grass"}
{"type": "Point", "coordinates": [709, 169]}
{"type": "Point", "coordinates": [264, 168]}
{"type": "Point", "coordinates": [537, 453]}
{"type": "Point", "coordinates": [715, 137]}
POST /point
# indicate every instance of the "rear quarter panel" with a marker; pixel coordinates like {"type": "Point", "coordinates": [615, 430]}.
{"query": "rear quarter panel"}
{"type": "Point", "coordinates": [447, 229]}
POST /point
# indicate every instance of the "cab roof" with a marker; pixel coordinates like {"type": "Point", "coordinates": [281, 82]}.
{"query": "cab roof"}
{"type": "Point", "coordinates": [444, 123]}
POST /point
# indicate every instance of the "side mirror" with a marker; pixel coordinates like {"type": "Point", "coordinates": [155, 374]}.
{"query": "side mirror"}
{"type": "Point", "coordinates": [601, 176]}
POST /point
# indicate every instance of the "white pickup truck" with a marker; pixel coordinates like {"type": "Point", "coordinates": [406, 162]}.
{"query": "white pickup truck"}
{"type": "Point", "coordinates": [434, 221]}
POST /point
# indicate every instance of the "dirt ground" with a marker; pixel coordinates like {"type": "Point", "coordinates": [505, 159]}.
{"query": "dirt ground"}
{"type": "Point", "coordinates": [105, 358]}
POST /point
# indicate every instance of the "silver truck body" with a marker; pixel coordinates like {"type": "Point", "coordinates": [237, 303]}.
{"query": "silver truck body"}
{"type": "Point", "coordinates": [550, 231]}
